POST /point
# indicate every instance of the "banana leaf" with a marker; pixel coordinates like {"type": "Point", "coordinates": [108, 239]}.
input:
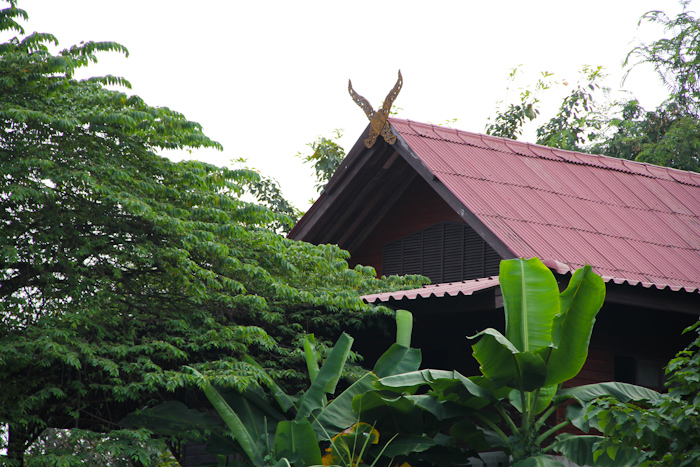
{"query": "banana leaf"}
{"type": "Point", "coordinates": [296, 441]}
{"type": "Point", "coordinates": [337, 415]}
{"type": "Point", "coordinates": [530, 300]}
{"type": "Point", "coordinates": [245, 439]}
{"type": "Point", "coordinates": [396, 360]}
{"type": "Point", "coordinates": [404, 328]}
{"type": "Point", "coordinates": [327, 378]}
{"type": "Point", "coordinates": [571, 331]}
{"type": "Point", "coordinates": [504, 365]}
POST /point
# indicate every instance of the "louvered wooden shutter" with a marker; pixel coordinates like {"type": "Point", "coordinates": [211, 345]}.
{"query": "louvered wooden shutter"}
{"type": "Point", "coordinates": [444, 252]}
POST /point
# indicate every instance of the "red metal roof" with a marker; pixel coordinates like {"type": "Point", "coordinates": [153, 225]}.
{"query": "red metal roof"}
{"type": "Point", "coordinates": [633, 222]}
{"type": "Point", "coordinates": [437, 290]}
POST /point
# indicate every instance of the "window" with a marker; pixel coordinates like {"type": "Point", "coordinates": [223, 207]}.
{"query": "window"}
{"type": "Point", "coordinates": [444, 252]}
{"type": "Point", "coordinates": [644, 372]}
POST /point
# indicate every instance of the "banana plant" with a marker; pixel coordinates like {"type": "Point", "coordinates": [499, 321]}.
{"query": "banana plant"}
{"type": "Point", "coordinates": [511, 404]}
{"type": "Point", "coordinates": [268, 426]}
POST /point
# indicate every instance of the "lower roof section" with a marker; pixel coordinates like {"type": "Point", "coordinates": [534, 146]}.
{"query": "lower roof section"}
{"type": "Point", "coordinates": [451, 289]}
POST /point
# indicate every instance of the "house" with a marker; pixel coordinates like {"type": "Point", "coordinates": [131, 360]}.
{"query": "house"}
{"type": "Point", "coordinates": [450, 204]}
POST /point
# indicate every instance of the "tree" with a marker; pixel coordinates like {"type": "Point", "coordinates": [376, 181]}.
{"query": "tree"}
{"type": "Point", "coordinates": [668, 135]}
{"type": "Point", "coordinates": [267, 425]}
{"type": "Point", "coordinates": [509, 123]}
{"type": "Point", "coordinates": [119, 266]}
{"type": "Point", "coordinates": [326, 157]}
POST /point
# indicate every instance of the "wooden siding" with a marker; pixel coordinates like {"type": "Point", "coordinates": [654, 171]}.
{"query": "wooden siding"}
{"type": "Point", "coordinates": [419, 208]}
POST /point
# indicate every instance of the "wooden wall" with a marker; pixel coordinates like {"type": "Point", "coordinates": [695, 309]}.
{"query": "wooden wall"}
{"type": "Point", "coordinates": [418, 208]}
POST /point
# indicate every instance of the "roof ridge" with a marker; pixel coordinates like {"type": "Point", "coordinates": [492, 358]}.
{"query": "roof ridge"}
{"type": "Point", "coordinates": [616, 161]}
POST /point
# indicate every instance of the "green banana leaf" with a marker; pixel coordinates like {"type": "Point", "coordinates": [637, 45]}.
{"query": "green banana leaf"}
{"type": "Point", "coordinates": [544, 399]}
{"type": "Point", "coordinates": [504, 365]}
{"type": "Point", "coordinates": [389, 414]}
{"type": "Point", "coordinates": [396, 360]}
{"type": "Point", "coordinates": [296, 441]}
{"type": "Point", "coordinates": [404, 328]}
{"type": "Point", "coordinates": [571, 331]}
{"type": "Point", "coordinates": [404, 381]}
{"type": "Point", "coordinates": [583, 416]}
{"type": "Point", "coordinates": [327, 378]}
{"type": "Point", "coordinates": [466, 431]}
{"type": "Point", "coordinates": [284, 401]}
{"type": "Point", "coordinates": [530, 300]}
{"type": "Point", "coordinates": [338, 415]}
{"type": "Point", "coordinates": [623, 392]}
{"type": "Point", "coordinates": [255, 412]}
{"type": "Point", "coordinates": [403, 445]}
{"type": "Point", "coordinates": [440, 409]}
{"type": "Point", "coordinates": [310, 357]}
{"type": "Point", "coordinates": [245, 439]}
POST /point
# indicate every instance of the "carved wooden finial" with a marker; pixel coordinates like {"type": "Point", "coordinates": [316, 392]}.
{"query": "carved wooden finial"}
{"type": "Point", "coordinates": [379, 124]}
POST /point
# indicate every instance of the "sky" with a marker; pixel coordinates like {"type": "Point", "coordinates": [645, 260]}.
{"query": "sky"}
{"type": "Point", "coordinates": [265, 78]}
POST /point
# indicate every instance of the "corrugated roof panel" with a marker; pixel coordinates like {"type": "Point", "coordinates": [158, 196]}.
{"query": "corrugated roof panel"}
{"type": "Point", "coordinates": [429, 157]}
{"type": "Point", "coordinates": [637, 222]}
{"type": "Point", "coordinates": [451, 289]}
{"type": "Point", "coordinates": [562, 212]}
{"type": "Point", "coordinates": [466, 161]}
{"type": "Point", "coordinates": [658, 172]}
{"type": "Point", "coordinates": [672, 195]}
{"type": "Point", "coordinates": [496, 143]}
{"type": "Point", "coordinates": [544, 177]}
{"type": "Point", "coordinates": [402, 127]}
{"type": "Point", "coordinates": [482, 159]}
{"type": "Point", "coordinates": [521, 197]}
{"type": "Point", "coordinates": [515, 243]}
{"type": "Point", "coordinates": [685, 194]}
{"type": "Point", "coordinates": [493, 200]}
{"type": "Point", "coordinates": [448, 134]}
{"type": "Point", "coordinates": [635, 168]}
{"type": "Point", "coordinates": [625, 192]}
{"type": "Point", "coordinates": [544, 152]}
{"type": "Point", "coordinates": [472, 139]}
{"type": "Point", "coordinates": [544, 248]}
{"type": "Point", "coordinates": [520, 147]}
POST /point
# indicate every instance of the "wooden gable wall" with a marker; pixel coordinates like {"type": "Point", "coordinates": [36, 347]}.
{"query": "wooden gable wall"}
{"type": "Point", "coordinates": [418, 208]}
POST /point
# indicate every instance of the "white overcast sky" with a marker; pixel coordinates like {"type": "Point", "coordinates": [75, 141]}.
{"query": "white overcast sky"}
{"type": "Point", "coordinates": [266, 77]}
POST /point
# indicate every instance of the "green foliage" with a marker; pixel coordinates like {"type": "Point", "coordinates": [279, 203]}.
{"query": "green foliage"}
{"type": "Point", "coordinates": [118, 266]}
{"type": "Point", "coordinates": [578, 117]}
{"type": "Point", "coordinates": [269, 425]}
{"type": "Point", "coordinates": [666, 430]}
{"type": "Point", "coordinates": [675, 58]}
{"type": "Point", "coordinates": [667, 135]}
{"type": "Point", "coordinates": [509, 407]}
{"type": "Point", "coordinates": [509, 123]}
{"type": "Point", "coordinates": [326, 158]}
{"type": "Point", "coordinates": [268, 193]}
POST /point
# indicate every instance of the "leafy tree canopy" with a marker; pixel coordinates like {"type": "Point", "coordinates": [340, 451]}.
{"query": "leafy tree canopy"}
{"type": "Point", "coordinates": [119, 266]}
{"type": "Point", "coordinates": [668, 135]}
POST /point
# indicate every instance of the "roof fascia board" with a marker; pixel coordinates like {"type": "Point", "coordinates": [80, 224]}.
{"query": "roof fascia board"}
{"type": "Point", "coordinates": [470, 218]}
{"type": "Point", "coordinates": [345, 173]}
{"type": "Point", "coordinates": [665, 300]}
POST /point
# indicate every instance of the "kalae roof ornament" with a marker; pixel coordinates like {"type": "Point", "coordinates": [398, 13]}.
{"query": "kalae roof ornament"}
{"type": "Point", "coordinates": [379, 124]}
